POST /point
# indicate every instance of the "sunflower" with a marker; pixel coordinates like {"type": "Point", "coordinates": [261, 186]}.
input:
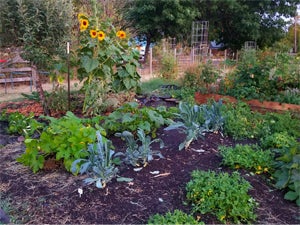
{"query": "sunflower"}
{"type": "Point", "coordinates": [84, 23]}
{"type": "Point", "coordinates": [121, 34]}
{"type": "Point", "coordinates": [81, 16]}
{"type": "Point", "coordinates": [101, 35]}
{"type": "Point", "coordinates": [93, 33]}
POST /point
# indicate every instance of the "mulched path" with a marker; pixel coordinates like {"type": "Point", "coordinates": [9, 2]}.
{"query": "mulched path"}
{"type": "Point", "coordinates": [51, 196]}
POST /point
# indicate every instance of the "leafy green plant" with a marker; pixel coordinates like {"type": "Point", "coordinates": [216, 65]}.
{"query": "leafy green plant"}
{"type": "Point", "coordinates": [191, 77]}
{"type": "Point", "coordinates": [139, 154]}
{"type": "Point", "coordinates": [197, 120]}
{"type": "Point", "coordinates": [287, 171]}
{"type": "Point", "coordinates": [57, 100]}
{"type": "Point", "coordinates": [64, 138]}
{"type": "Point", "coordinates": [99, 164]}
{"type": "Point", "coordinates": [222, 195]}
{"type": "Point", "coordinates": [168, 68]}
{"type": "Point", "coordinates": [176, 217]}
{"type": "Point", "coordinates": [241, 122]}
{"type": "Point", "coordinates": [278, 140]}
{"type": "Point", "coordinates": [106, 61]}
{"type": "Point", "coordinates": [131, 117]}
{"type": "Point", "coordinates": [281, 122]}
{"type": "Point", "coordinates": [249, 157]}
{"type": "Point", "coordinates": [208, 75]}
{"type": "Point", "coordinates": [23, 125]}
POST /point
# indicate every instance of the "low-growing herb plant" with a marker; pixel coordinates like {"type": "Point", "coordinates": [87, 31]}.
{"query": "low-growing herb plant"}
{"type": "Point", "coordinates": [278, 140]}
{"type": "Point", "coordinates": [223, 195]}
{"type": "Point", "coordinates": [195, 121]}
{"type": "Point", "coordinates": [139, 151]}
{"type": "Point", "coordinates": [241, 122]}
{"type": "Point", "coordinates": [176, 217]}
{"type": "Point", "coordinates": [287, 171]}
{"type": "Point", "coordinates": [250, 157]}
{"type": "Point", "coordinates": [63, 139]}
{"type": "Point", "coordinates": [100, 164]}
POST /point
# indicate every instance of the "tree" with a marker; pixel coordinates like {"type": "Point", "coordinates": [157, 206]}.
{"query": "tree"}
{"type": "Point", "coordinates": [41, 28]}
{"type": "Point", "coordinates": [155, 19]}
{"type": "Point", "coordinates": [233, 22]}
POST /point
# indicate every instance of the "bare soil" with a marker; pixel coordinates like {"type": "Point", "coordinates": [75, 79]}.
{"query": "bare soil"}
{"type": "Point", "coordinates": [51, 196]}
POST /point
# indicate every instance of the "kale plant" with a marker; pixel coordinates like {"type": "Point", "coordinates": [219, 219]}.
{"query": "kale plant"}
{"type": "Point", "coordinates": [139, 154]}
{"type": "Point", "coordinates": [100, 163]}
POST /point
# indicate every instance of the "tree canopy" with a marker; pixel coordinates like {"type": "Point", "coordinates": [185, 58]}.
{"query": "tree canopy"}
{"type": "Point", "coordinates": [155, 19]}
{"type": "Point", "coordinates": [231, 22]}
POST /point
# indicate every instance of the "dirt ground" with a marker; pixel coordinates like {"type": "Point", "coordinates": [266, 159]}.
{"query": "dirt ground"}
{"type": "Point", "coordinates": [51, 196]}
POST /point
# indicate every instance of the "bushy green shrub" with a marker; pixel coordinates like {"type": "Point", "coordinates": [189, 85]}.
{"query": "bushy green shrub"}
{"type": "Point", "coordinates": [176, 217]}
{"type": "Point", "coordinates": [278, 140]}
{"type": "Point", "coordinates": [250, 157]}
{"type": "Point", "coordinates": [168, 68]}
{"type": "Point", "coordinates": [222, 195]}
{"type": "Point", "coordinates": [241, 122]}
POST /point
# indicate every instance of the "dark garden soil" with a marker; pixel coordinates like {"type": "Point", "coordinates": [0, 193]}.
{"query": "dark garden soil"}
{"type": "Point", "coordinates": [51, 196]}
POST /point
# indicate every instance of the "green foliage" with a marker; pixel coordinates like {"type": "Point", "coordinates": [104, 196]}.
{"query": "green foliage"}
{"type": "Point", "coordinates": [99, 164]}
{"type": "Point", "coordinates": [168, 68]}
{"type": "Point", "coordinates": [265, 75]}
{"type": "Point", "coordinates": [64, 138]}
{"type": "Point", "coordinates": [176, 217]}
{"type": "Point", "coordinates": [157, 19]}
{"type": "Point", "coordinates": [105, 60]}
{"type": "Point", "coordinates": [235, 22]}
{"type": "Point", "coordinates": [208, 75]}
{"type": "Point", "coordinates": [200, 78]}
{"type": "Point", "coordinates": [222, 195]}
{"type": "Point", "coordinates": [136, 154]}
{"type": "Point", "coordinates": [184, 94]}
{"type": "Point", "coordinates": [22, 125]}
{"type": "Point", "coordinates": [57, 100]}
{"type": "Point", "coordinates": [249, 157]}
{"type": "Point", "coordinates": [191, 78]}
{"type": "Point", "coordinates": [281, 122]}
{"type": "Point", "coordinates": [131, 117]}
{"type": "Point", "coordinates": [42, 27]}
{"type": "Point", "coordinates": [196, 120]}
{"type": "Point", "coordinates": [241, 122]}
{"type": "Point", "coordinates": [278, 140]}
{"type": "Point", "coordinates": [287, 171]}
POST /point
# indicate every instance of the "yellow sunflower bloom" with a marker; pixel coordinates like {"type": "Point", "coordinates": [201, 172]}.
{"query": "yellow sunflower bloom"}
{"type": "Point", "coordinates": [81, 16]}
{"type": "Point", "coordinates": [93, 33]}
{"type": "Point", "coordinates": [101, 35]}
{"type": "Point", "coordinates": [84, 23]}
{"type": "Point", "coordinates": [121, 34]}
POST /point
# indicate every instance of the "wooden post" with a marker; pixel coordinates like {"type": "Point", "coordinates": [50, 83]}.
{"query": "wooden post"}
{"type": "Point", "coordinates": [150, 63]}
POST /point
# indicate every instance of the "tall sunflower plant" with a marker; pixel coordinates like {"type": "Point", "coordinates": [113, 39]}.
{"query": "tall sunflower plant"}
{"type": "Point", "coordinates": [106, 62]}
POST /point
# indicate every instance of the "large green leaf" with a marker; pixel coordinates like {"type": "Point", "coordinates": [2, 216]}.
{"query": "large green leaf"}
{"type": "Point", "coordinates": [89, 64]}
{"type": "Point", "coordinates": [291, 195]}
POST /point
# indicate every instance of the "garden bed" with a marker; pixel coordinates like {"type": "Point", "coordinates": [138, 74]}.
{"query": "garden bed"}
{"type": "Point", "coordinates": [51, 196]}
{"type": "Point", "coordinates": [254, 104]}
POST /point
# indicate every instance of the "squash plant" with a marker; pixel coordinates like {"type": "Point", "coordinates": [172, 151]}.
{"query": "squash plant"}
{"type": "Point", "coordinates": [131, 117]}
{"type": "Point", "coordinates": [64, 138]}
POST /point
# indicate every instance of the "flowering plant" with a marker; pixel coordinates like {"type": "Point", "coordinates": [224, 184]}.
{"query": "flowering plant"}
{"type": "Point", "coordinates": [106, 61]}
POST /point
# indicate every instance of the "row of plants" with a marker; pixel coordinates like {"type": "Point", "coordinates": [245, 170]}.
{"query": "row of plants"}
{"type": "Point", "coordinates": [276, 154]}
{"type": "Point", "coordinates": [263, 75]}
